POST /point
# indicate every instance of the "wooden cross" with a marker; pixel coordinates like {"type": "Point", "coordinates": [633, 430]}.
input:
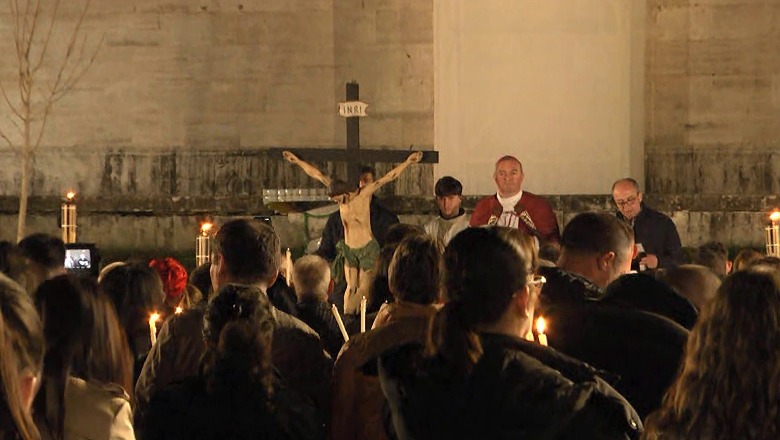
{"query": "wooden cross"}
{"type": "Point", "coordinates": [353, 155]}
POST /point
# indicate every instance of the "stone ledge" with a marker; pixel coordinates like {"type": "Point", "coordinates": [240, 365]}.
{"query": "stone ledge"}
{"type": "Point", "coordinates": [253, 205]}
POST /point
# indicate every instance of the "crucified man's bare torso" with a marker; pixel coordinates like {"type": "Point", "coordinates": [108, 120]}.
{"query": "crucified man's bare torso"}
{"type": "Point", "coordinates": [355, 209]}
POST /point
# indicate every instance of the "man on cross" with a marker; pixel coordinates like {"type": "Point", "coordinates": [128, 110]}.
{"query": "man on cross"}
{"type": "Point", "coordinates": [359, 249]}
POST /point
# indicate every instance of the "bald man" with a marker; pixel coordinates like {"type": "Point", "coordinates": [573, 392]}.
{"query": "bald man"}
{"type": "Point", "coordinates": [655, 233]}
{"type": "Point", "coordinates": [513, 207]}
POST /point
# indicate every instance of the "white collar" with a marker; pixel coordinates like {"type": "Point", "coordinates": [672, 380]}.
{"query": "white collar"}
{"type": "Point", "coordinates": [509, 203]}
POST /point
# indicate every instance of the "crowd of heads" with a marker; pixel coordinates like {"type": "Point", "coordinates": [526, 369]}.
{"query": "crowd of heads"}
{"type": "Point", "coordinates": [55, 326]}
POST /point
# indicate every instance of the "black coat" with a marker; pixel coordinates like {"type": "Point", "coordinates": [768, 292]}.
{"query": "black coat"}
{"type": "Point", "coordinates": [187, 410]}
{"type": "Point", "coordinates": [658, 236]}
{"type": "Point", "coordinates": [563, 287]}
{"type": "Point", "coordinates": [517, 390]}
{"type": "Point", "coordinates": [644, 292]}
{"type": "Point", "coordinates": [645, 350]}
{"type": "Point", "coordinates": [319, 316]}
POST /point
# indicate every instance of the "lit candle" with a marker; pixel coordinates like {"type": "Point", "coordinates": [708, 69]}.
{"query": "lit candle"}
{"type": "Point", "coordinates": [153, 327]}
{"type": "Point", "coordinates": [363, 304]}
{"type": "Point", "coordinates": [69, 218]}
{"type": "Point", "coordinates": [203, 244]}
{"type": "Point", "coordinates": [288, 267]}
{"type": "Point", "coordinates": [178, 311]}
{"type": "Point", "coordinates": [541, 326]}
{"type": "Point", "coordinates": [773, 235]}
{"type": "Point", "coordinates": [336, 315]}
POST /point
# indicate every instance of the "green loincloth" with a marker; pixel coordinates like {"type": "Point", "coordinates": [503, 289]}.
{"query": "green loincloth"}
{"type": "Point", "coordinates": [362, 259]}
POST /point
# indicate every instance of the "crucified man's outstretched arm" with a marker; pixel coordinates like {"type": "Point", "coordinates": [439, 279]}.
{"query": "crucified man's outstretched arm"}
{"type": "Point", "coordinates": [308, 168]}
{"type": "Point", "coordinates": [392, 174]}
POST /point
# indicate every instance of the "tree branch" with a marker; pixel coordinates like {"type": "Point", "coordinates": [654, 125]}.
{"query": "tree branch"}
{"type": "Point", "coordinates": [10, 105]}
{"type": "Point", "coordinates": [48, 37]}
{"type": "Point", "coordinates": [10, 144]}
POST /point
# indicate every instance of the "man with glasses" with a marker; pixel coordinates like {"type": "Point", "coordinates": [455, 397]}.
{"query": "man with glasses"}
{"type": "Point", "coordinates": [657, 240]}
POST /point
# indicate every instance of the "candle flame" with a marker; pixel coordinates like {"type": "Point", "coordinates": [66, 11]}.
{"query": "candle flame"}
{"type": "Point", "coordinates": [774, 216]}
{"type": "Point", "coordinates": [541, 326]}
{"type": "Point", "coordinates": [206, 227]}
{"type": "Point", "coordinates": [178, 310]}
{"type": "Point", "coordinates": [155, 317]}
{"type": "Point", "coordinates": [70, 195]}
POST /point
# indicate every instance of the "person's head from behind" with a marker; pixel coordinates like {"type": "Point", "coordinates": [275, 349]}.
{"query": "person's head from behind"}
{"type": "Point", "coordinates": [715, 256]}
{"type": "Point", "coordinates": [379, 289]}
{"type": "Point", "coordinates": [200, 277]}
{"type": "Point", "coordinates": [486, 273]}
{"type": "Point", "coordinates": [245, 252]}
{"type": "Point", "coordinates": [414, 271]}
{"type": "Point", "coordinates": [83, 339]}
{"type": "Point", "coordinates": [367, 175]}
{"type": "Point", "coordinates": [22, 348]}
{"type": "Point", "coordinates": [696, 283]}
{"type": "Point", "coordinates": [508, 176]}
{"type": "Point", "coordinates": [597, 246]}
{"type": "Point", "coordinates": [745, 259]}
{"type": "Point", "coordinates": [311, 278]}
{"type": "Point", "coordinates": [449, 196]}
{"type": "Point", "coordinates": [238, 330]}
{"type": "Point", "coordinates": [730, 358]}
{"type": "Point", "coordinates": [627, 197]}
{"type": "Point", "coordinates": [15, 264]}
{"type": "Point", "coordinates": [174, 279]}
{"type": "Point", "coordinates": [47, 254]}
{"type": "Point", "coordinates": [769, 262]}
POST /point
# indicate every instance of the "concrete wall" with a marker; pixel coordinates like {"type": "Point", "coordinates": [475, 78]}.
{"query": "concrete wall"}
{"type": "Point", "coordinates": [183, 76]}
{"type": "Point", "coordinates": [184, 97]}
{"type": "Point", "coordinates": [713, 97]}
{"type": "Point", "coordinates": [558, 83]}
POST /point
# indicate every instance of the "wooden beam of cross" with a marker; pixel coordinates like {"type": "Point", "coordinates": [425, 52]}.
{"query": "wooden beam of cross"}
{"type": "Point", "coordinates": [353, 155]}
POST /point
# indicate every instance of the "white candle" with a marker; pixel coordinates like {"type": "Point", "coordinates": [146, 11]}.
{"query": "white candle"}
{"type": "Point", "coordinates": [541, 326]}
{"type": "Point", "coordinates": [203, 244]}
{"type": "Point", "coordinates": [153, 327]}
{"type": "Point", "coordinates": [773, 235]}
{"type": "Point", "coordinates": [69, 218]}
{"type": "Point", "coordinates": [363, 304]}
{"type": "Point", "coordinates": [336, 315]}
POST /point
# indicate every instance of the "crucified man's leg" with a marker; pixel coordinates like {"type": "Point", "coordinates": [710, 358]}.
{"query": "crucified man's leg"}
{"type": "Point", "coordinates": [353, 278]}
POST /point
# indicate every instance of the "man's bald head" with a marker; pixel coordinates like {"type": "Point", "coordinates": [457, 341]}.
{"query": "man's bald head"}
{"type": "Point", "coordinates": [508, 176]}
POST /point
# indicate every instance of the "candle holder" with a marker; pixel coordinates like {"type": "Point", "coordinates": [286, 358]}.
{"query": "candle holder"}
{"type": "Point", "coordinates": [772, 234]}
{"type": "Point", "coordinates": [68, 221]}
{"type": "Point", "coordinates": [203, 244]}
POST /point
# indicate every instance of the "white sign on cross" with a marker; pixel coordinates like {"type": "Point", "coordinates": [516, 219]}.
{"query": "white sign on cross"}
{"type": "Point", "coordinates": [352, 109]}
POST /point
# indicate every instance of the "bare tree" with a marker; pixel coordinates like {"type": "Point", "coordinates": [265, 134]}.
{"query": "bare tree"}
{"type": "Point", "coordinates": [32, 38]}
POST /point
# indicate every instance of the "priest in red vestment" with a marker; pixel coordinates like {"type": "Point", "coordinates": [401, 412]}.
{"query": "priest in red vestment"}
{"type": "Point", "coordinates": [513, 207]}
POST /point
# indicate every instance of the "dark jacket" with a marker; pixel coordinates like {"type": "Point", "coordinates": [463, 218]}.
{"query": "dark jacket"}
{"type": "Point", "coordinates": [187, 410]}
{"type": "Point", "coordinates": [658, 236]}
{"type": "Point", "coordinates": [319, 316]}
{"type": "Point", "coordinates": [643, 349]}
{"type": "Point", "coordinates": [296, 351]}
{"type": "Point", "coordinates": [644, 292]}
{"type": "Point", "coordinates": [517, 390]}
{"type": "Point", "coordinates": [381, 220]}
{"type": "Point", "coordinates": [563, 287]}
{"type": "Point", "coordinates": [282, 296]}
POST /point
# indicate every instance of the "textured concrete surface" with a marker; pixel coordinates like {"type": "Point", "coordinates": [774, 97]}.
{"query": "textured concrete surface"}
{"type": "Point", "coordinates": [170, 124]}
{"type": "Point", "coordinates": [712, 100]}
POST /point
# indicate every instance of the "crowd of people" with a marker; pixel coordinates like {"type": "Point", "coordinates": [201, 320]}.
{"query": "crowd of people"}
{"type": "Point", "coordinates": [642, 339]}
